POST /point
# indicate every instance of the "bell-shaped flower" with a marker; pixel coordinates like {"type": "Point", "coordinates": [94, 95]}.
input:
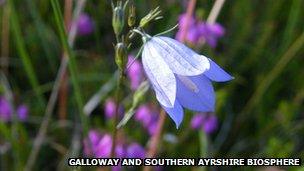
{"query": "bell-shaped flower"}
{"type": "Point", "coordinates": [180, 77]}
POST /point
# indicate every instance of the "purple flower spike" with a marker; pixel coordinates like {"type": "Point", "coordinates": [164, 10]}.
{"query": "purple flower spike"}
{"type": "Point", "coordinates": [110, 107]}
{"type": "Point", "coordinates": [210, 124]}
{"type": "Point", "coordinates": [5, 110]}
{"type": "Point", "coordinates": [120, 151]}
{"type": "Point", "coordinates": [210, 33]}
{"type": "Point", "coordinates": [85, 25]}
{"type": "Point", "coordinates": [180, 77]}
{"type": "Point", "coordinates": [91, 142]}
{"type": "Point", "coordinates": [144, 115]}
{"type": "Point", "coordinates": [217, 29]}
{"type": "Point", "coordinates": [191, 35]}
{"type": "Point", "coordinates": [197, 121]}
{"type": "Point", "coordinates": [135, 150]}
{"type": "Point", "coordinates": [103, 148]}
{"type": "Point", "coordinates": [94, 137]}
{"type": "Point", "coordinates": [22, 112]}
{"type": "Point", "coordinates": [152, 127]}
{"type": "Point", "coordinates": [135, 72]}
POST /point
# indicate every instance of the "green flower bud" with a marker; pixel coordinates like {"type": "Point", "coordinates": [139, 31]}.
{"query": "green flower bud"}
{"type": "Point", "coordinates": [118, 19]}
{"type": "Point", "coordinates": [132, 16]}
{"type": "Point", "coordinates": [121, 56]}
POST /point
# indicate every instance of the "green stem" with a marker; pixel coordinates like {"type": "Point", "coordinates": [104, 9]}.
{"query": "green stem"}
{"type": "Point", "coordinates": [118, 92]}
{"type": "Point", "coordinates": [28, 66]}
{"type": "Point", "coordinates": [71, 64]}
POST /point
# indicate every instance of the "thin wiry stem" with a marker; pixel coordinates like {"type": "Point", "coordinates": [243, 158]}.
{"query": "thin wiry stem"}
{"type": "Point", "coordinates": [63, 95]}
{"type": "Point", "coordinates": [215, 11]}
{"type": "Point", "coordinates": [51, 103]}
{"type": "Point", "coordinates": [156, 138]}
{"type": "Point", "coordinates": [189, 14]}
{"type": "Point", "coordinates": [116, 117]}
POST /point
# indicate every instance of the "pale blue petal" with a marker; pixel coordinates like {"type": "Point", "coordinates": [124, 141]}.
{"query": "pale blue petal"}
{"type": "Point", "coordinates": [160, 76]}
{"type": "Point", "coordinates": [181, 59]}
{"type": "Point", "coordinates": [176, 113]}
{"type": "Point", "coordinates": [202, 100]}
{"type": "Point", "coordinates": [216, 73]}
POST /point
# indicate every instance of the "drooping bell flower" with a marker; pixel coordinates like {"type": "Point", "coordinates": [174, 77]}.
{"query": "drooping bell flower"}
{"type": "Point", "coordinates": [180, 77]}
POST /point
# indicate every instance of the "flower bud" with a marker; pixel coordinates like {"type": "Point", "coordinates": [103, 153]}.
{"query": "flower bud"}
{"type": "Point", "coordinates": [132, 16]}
{"type": "Point", "coordinates": [121, 56]}
{"type": "Point", "coordinates": [118, 19]}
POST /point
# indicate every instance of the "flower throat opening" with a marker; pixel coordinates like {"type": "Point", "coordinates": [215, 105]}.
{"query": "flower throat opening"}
{"type": "Point", "coordinates": [188, 83]}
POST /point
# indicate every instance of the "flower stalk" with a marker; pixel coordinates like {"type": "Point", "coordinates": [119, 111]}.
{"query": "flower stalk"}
{"type": "Point", "coordinates": [121, 59]}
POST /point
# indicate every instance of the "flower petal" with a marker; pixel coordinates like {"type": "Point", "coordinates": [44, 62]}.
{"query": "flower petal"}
{"type": "Point", "coordinates": [181, 59]}
{"type": "Point", "coordinates": [202, 100]}
{"type": "Point", "coordinates": [160, 75]}
{"type": "Point", "coordinates": [216, 73]}
{"type": "Point", "coordinates": [176, 113]}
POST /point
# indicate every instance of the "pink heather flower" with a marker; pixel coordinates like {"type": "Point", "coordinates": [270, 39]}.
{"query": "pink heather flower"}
{"type": "Point", "coordinates": [94, 137]}
{"type": "Point", "coordinates": [90, 142]}
{"type": "Point", "coordinates": [210, 33]}
{"type": "Point", "coordinates": [22, 112]}
{"type": "Point", "coordinates": [135, 150]}
{"type": "Point", "coordinates": [197, 121]}
{"type": "Point", "coordinates": [120, 151]}
{"type": "Point", "coordinates": [110, 107]}
{"type": "Point", "coordinates": [134, 72]}
{"type": "Point", "coordinates": [152, 127]}
{"type": "Point", "coordinates": [144, 115]}
{"type": "Point", "coordinates": [198, 31]}
{"type": "Point", "coordinates": [85, 25]}
{"type": "Point", "coordinates": [103, 148]}
{"type": "Point", "coordinates": [182, 26]}
{"type": "Point", "coordinates": [99, 145]}
{"type": "Point", "coordinates": [210, 124]}
{"type": "Point", "coordinates": [147, 117]}
{"type": "Point", "coordinates": [5, 110]}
